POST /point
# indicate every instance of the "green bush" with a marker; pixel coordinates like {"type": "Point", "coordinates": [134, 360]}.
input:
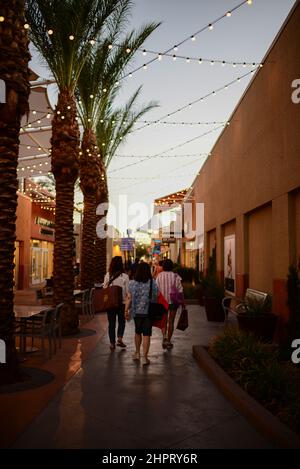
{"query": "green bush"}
{"type": "Point", "coordinates": [190, 291]}
{"type": "Point", "coordinates": [251, 364]}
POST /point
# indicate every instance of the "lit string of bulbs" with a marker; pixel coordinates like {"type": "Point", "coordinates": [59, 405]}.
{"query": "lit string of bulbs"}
{"type": "Point", "coordinates": [147, 158]}
{"type": "Point", "coordinates": [192, 37]}
{"type": "Point", "coordinates": [158, 55]}
{"type": "Point", "coordinates": [199, 100]}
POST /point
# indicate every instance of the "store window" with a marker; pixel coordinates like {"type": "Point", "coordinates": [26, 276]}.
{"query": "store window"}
{"type": "Point", "coordinates": [41, 261]}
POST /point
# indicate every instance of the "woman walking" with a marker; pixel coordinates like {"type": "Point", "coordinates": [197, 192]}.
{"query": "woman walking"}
{"type": "Point", "coordinates": [169, 285]}
{"type": "Point", "coordinates": [116, 277]}
{"type": "Point", "coordinates": [141, 290]}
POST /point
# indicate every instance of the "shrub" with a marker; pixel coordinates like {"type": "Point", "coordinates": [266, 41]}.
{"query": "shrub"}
{"type": "Point", "coordinates": [190, 291]}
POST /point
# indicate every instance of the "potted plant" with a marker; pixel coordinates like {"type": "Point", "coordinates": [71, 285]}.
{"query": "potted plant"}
{"type": "Point", "coordinates": [213, 292]}
{"type": "Point", "coordinates": [255, 316]}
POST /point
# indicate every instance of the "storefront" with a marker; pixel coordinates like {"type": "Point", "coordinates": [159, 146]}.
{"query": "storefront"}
{"type": "Point", "coordinates": [41, 261]}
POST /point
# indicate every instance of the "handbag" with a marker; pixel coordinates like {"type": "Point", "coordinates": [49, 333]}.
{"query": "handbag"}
{"type": "Point", "coordinates": [176, 296]}
{"type": "Point", "coordinates": [109, 298]}
{"type": "Point", "coordinates": [183, 321]}
{"type": "Point", "coordinates": [155, 310]}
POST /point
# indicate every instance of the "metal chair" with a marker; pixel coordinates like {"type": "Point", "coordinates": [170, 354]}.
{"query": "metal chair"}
{"type": "Point", "coordinates": [91, 302]}
{"type": "Point", "coordinates": [40, 327]}
{"type": "Point", "coordinates": [226, 306]}
{"type": "Point", "coordinates": [56, 325]}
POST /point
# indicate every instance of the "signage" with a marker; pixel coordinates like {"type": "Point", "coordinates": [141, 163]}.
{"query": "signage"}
{"type": "Point", "coordinates": [169, 240]}
{"type": "Point", "coordinates": [127, 244]}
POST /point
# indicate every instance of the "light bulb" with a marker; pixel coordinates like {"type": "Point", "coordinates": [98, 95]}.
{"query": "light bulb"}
{"type": "Point", "coordinates": [200, 61]}
{"type": "Point", "coordinates": [228, 14]}
{"type": "Point", "coordinates": [91, 96]}
{"type": "Point", "coordinates": [26, 26]}
{"type": "Point", "coordinates": [71, 38]}
{"type": "Point", "coordinates": [159, 57]}
{"type": "Point", "coordinates": [128, 50]}
{"type": "Point", "coordinates": [175, 48]}
{"type": "Point", "coordinates": [193, 38]}
{"type": "Point", "coordinates": [50, 32]}
{"type": "Point", "coordinates": [34, 112]}
{"type": "Point", "coordinates": [92, 42]}
{"type": "Point", "coordinates": [174, 57]}
{"type": "Point", "coordinates": [210, 27]}
{"type": "Point", "coordinates": [249, 2]}
{"type": "Point", "coordinates": [110, 46]}
{"type": "Point", "coordinates": [130, 75]}
{"type": "Point", "coordinates": [188, 60]}
{"type": "Point", "coordinates": [212, 62]}
{"type": "Point", "coordinates": [144, 52]}
{"type": "Point", "coordinates": [145, 67]}
{"type": "Point", "coordinates": [2, 19]}
{"type": "Point", "coordinates": [68, 107]}
{"type": "Point", "coordinates": [223, 63]}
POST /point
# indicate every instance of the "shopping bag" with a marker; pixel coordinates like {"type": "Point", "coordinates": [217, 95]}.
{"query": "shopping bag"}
{"type": "Point", "coordinates": [161, 323]}
{"type": "Point", "coordinates": [183, 321]}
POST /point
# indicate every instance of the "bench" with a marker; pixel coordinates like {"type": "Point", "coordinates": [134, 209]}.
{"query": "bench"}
{"type": "Point", "coordinates": [234, 305]}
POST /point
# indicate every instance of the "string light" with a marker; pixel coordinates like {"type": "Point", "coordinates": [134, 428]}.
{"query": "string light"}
{"type": "Point", "coordinates": [201, 99]}
{"type": "Point", "coordinates": [2, 19]}
{"type": "Point", "coordinates": [50, 32]}
{"type": "Point", "coordinates": [210, 25]}
{"type": "Point", "coordinates": [147, 158]}
{"type": "Point", "coordinates": [71, 38]}
{"type": "Point", "coordinates": [26, 26]}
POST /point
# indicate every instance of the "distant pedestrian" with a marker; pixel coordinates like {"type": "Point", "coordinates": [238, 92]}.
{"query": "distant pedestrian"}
{"type": "Point", "coordinates": [137, 306]}
{"type": "Point", "coordinates": [157, 269]}
{"type": "Point", "coordinates": [134, 267]}
{"type": "Point", "coordinates": [170, 286]}
{"type": "Point", "coordinates": [120, 279]}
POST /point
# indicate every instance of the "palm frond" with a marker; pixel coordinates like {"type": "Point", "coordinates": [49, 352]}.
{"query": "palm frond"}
{"type": "Point", "coordinates": [84, 20]}
{"type": "Point", "coordinates": [103, 69]}
{"type": "Point", "coordinates": [115, 125]}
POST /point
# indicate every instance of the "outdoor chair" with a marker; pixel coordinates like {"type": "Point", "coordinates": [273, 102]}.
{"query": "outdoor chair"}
{"type": "Point", "coordinates": [56, 325]}
{"type": "Point", "coordinates": [41, 327]}
{"type": "Point", "coordinates": [91, 302]}
{"type": "Point", "coordinates": [226, 306]}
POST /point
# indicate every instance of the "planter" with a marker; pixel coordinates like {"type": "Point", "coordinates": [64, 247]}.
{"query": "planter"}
{"type": "Point", "coordinates": [213, 309]}
{"type": "Point", "coordinates": [262, 419]}
{"type": "Point", "coordinates": [263, 327]}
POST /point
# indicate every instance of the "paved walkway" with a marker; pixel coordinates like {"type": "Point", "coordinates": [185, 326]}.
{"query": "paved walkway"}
{"type": "Point", "coordinates": [114, 403]}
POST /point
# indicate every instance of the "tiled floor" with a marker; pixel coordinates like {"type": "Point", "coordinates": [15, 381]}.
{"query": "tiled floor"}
{"type": "Point", "coordinates": [112, 402]}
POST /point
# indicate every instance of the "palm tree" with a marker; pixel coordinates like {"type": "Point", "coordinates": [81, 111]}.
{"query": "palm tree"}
{"type": "Point", "coordinates": [97, 91]}
{"type": "Point", "coordinates": [14, 73]}
{"type": "Point", "coordinates": [112, 129]}
{"type": "Point", "coordinates": [63, 32]}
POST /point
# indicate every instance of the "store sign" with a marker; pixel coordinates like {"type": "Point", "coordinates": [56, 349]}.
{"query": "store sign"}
{"type": "Point", "coordinates": [127, 244]}
{"type": "Point", "coordinates": [169, 240]}
{"type": "Point", "coordinates": [45, 232]}
{"type": "Point", "coordinates": [44, 222]}
{"type": "Point", "coordinates": [2, 92]}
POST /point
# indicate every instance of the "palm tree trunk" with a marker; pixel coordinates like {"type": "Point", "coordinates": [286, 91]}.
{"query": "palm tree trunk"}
{"type": "Point", "coordinates": [101, 243]}
{"type": "Point", "coordinates": [65, 149]}
{"type": "Point", "coordinates": [90, 174]}
{"type": "Point", "coordinates": [14, 58]}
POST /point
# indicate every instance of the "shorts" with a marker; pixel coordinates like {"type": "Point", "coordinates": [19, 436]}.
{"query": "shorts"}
{"type": "Point", "coordinates": [143, 325]}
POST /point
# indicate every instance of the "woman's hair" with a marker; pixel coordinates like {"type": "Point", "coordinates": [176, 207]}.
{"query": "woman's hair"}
{"type": "Point", "coordinates": [167, 265]}
{"type": "Point", "coordinates": [143, 273]}
{"type": "Point", "coordinates": [116, 265]}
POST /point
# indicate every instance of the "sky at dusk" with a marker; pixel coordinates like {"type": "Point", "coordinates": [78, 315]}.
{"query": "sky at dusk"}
{"type": "Point", "coordinates": [243, 37]}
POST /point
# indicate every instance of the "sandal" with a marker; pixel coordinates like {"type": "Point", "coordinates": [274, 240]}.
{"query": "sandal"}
{"type": "Point", "coordinates": [120, 343]}
{"type": "Point", "coordinates": [112, 346]}
{"type": "Point", "coordinates": [165, 343]}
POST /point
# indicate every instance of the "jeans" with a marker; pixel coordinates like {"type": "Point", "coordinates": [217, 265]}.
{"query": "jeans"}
{"type": "Point", "coordinates": [112, 317]}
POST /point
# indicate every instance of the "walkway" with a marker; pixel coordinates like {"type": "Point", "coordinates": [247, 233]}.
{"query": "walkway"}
{"type": "Point", "coordinates": [114, 403]}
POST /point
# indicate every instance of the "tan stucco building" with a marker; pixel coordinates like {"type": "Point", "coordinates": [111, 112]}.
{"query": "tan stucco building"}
{"type": "Point", "coordinates": [250, 184]}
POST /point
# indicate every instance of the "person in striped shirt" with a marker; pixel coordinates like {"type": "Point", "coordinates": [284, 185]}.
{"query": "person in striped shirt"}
{"type": "Point", "coordinates": [167, 281]}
